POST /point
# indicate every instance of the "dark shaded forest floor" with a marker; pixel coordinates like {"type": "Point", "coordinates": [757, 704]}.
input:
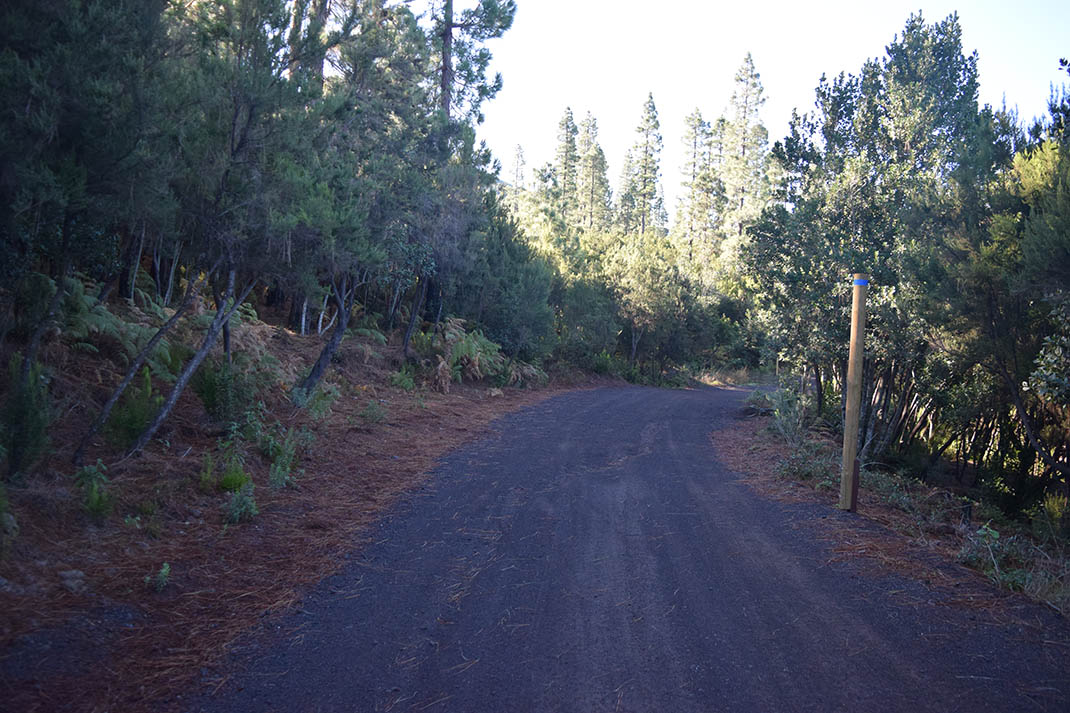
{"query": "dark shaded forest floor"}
{"type": "Point", "coordinates": [82, 626]}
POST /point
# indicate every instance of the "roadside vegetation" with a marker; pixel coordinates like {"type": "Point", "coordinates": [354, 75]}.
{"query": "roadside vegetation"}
{"type": "Point", "coordinates": [1028, 552]}
{"type": "Point", "coordinates": [251, 250]}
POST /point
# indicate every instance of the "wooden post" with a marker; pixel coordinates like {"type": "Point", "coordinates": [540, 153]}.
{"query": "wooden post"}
{"type": "Point", "coordinates": [849, 467]}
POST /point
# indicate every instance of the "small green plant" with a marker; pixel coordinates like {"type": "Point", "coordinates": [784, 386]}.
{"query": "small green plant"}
{"type": "Point", "coordinates": [208, 480]}
{"type": "Point", "coordinates": [240, 506]}
{"type": "Point", "coordinates": [134, 412]}
{"type": "Point", "coordinates": [233, 478]}
{"type": "Point", "coordinates": [810, 460]}
{"type": "Point", "coordinates": [93, 484]}
{"type": "Point", "coordinates": [602, 363]}
{"type": "Point", "coordinates": [24, 417]}
{"type": "Point", "coordinates": [281, 472]}
{"type": "Point", "coordinates": [373, 412]}
{"type": "Point", "coordinates": [226, 390]}
{"type": "Point", "coordinates": [319, 402]}
{"type": "Point", "coordinates": [404, 378]}
{"type": "Point", "coordinates": [159, 580]}
{"type": "Point", "coordinates": [789, 415]}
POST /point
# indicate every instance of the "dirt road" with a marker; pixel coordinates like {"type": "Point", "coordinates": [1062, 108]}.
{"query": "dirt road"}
{"type": "Point", "coordinates": [592, 555]}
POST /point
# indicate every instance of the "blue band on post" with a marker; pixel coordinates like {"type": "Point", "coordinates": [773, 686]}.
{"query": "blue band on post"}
{"type": "Point", "coordinates": [861, 282]}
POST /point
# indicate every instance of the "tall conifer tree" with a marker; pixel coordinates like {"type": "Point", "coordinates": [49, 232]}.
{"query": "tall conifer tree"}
{"type": "Point", "coordinates": [592, 185]}
{"type": "Point", "coordinates": [566, 163]}
{"type": "Point", "coordinates": [640, 206]}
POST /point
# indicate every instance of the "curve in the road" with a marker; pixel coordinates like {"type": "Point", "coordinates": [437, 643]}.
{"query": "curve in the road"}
{"type": "Point", "coordinates": [592, 555]}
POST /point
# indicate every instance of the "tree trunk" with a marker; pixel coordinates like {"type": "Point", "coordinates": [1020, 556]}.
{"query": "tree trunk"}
{"type": "Point", "coordinates": [220, 304]}
{"type": "Point", "coordinates": [637, 334]}
{"type": "Point", "coordinates": [171, 273]}
{"type": "Point", "coordinates": [417, 305]}
{"type": "Point", "coordinates": [343, 296]}
{"type": "Point", "coordinates": [446, 79]}
{"type": "Point", "coordinates": [222, 316]}
{"type": "Point", "coordinates": [137, 264]}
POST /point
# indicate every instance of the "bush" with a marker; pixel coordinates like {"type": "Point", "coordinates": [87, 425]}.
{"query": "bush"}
{"type": "Point", "coordinates": [810, 461]}
{"type": "Point", "coordinates": [602, 363]}
{"type": "Point", "coordinates": [25, 418]}
{"type": "Point", "coordinates": [403, 379]}
{"type": "Point", "coordinates": [241, 506]}
{"type": "Point", "coordinates": [319, 402]}
{"type": "Point", "coordinates": [281, 473]}
{"type": "Point", "coordinates": [233, 478]}
{"type": "Point", "coordinates": [93, 484]}
{"type": "Point", "coordinates": [209, 479]}
{"type": "Point", "coordinates": [226, 390]}
{"type": "Point", "coordinates": [373, 412]}
{"type": "Point", "coordinates": [159, 580]}
{"type": "Point", "coordinates": [134, 412]}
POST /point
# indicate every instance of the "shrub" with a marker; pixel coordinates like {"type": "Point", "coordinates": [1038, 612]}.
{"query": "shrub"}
{"type": "Point", "coordinates": [810, 460]}
{"type": "Point", "coordinates": [226, 390]}
{"type": "Point", "coordinates": [25, 418]}
{"type": "Point", "coordinates": [241, 506]}
{"type": "Point", "coordinates": [373, 412]}
{"type": "Point", "coordinates": [281, 473]}
{"type": "Point", "coordinates": [209, 480]}
{"type": "Point", "coordinates": [233, 478]}
{"type": "Point", "coordinates": [134, 412]}
{"type": "Point", "coordinates": [602, 362]}
{"type": "Point", "coordinates": [319, 402]}
{"type": "Point", "coordinates": [403, 379]}
{"type": "Point", "coordinates": [159, 580]}
{"type": "Point", "coordinates": [93, 484]}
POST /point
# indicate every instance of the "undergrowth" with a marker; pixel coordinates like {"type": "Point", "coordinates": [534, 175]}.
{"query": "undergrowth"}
{"type": "Point", "coordinates": [1030, 556]}
{"type": "Point", "coordinates": [24, 418]}
{"type": "Point", "coordinates": [134, 412]}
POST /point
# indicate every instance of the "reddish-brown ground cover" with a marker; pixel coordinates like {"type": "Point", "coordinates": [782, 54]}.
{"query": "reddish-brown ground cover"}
{"type": "Point", "coordinates": [120, 643]}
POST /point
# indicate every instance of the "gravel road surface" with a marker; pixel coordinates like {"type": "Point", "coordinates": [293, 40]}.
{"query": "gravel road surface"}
{"type": "Point", "coordinates": [590, 554]}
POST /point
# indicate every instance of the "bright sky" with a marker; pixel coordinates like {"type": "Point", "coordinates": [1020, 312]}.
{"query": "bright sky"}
{"type": "Point", "coordinates": [604, 56]}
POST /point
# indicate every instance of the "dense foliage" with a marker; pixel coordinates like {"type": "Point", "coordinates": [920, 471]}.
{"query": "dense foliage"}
{"type": "Point", "coordinates": [961, 222]}
{"type": "Point", "coordinates": [318, 158]}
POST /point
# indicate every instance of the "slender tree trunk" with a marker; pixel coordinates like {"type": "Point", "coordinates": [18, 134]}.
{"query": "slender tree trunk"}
{"type": "Point", "coordinates": [222, 316]}
{"type": "Point", "coordinates": [343, 296]}
{"type": "Point", "coordinates": [221, 303]}
{"type": "Point", "coordinates": [137, 263]}
{"type": "Point", "coordinates": [637, 334]}
{"type": "Point", "coordinates": [446, 78]}
{"type": "Point", "coordinates": [395, 300]}
{"type": "Point", "coordinates": [171, 273]}
{"type": "Point", "coordinates": [417, 305]}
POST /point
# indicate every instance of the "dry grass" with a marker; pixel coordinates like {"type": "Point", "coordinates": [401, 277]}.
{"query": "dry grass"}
{"type": "Point", "coordinates": [130, 647]}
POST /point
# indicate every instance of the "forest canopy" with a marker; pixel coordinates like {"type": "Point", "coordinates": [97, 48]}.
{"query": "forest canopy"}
{"type": "Point", "coordinates": [319, 159]}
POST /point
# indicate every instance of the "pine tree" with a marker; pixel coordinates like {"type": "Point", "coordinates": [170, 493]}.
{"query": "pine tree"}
{"type": "Point", "coordinates": [743, 170]}
{"type": "Point", "coordinates": [740, 158]}
{"type": "Point", "coordinates": [626, 213]}
{"type": "Point", "coordinates": [646, 156]}
{"type": "Point", "coordinates": [518, 178]}
{"type": "Point", "coordinates": [566, 162]}
{"type": "Point", "coordinates": [592, 185]}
